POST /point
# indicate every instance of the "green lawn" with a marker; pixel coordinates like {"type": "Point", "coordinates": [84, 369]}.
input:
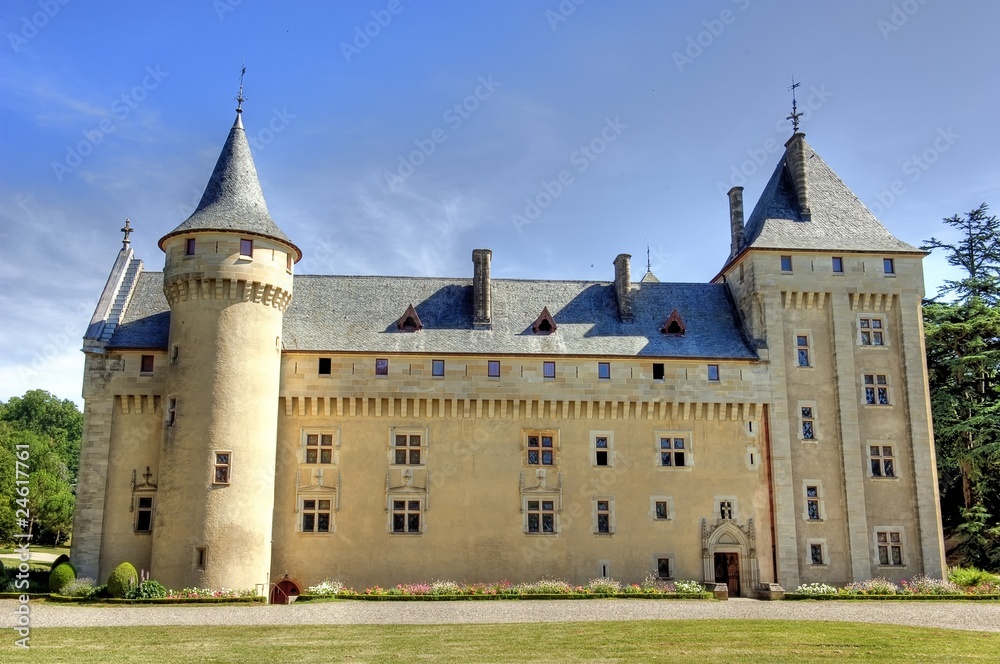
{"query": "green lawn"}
{"type": "Point", "coordinates": [640, 641]}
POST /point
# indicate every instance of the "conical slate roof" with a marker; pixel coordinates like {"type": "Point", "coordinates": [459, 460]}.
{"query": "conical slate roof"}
{"type": "Point", "coordinates": [836, 220]}
{"type": "Point", "coordinates": [233, 200]}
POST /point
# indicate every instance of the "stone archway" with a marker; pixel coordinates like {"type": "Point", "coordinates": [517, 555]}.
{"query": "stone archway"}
{"type": "Point", "coordinates": [729, 552]}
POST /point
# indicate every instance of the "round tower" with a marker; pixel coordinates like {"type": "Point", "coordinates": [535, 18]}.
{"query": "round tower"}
{"type": "Point", "coordinates": [228, 280]}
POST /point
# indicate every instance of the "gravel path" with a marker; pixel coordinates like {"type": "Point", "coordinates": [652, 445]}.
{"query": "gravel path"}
{"type": "Point", "coordinates": [976, 616]}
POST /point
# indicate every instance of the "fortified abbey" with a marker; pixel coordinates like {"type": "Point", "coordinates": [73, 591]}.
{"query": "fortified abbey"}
{"type": "Point", "coordinates": [246, 426]}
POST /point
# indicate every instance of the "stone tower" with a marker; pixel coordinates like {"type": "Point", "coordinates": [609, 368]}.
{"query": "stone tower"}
{"type": "Point", "coordinates": [228, 280]}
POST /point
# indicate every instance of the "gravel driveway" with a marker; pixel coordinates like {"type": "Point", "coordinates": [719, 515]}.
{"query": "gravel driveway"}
{"type": "Point", "coordinates": [976, 616]}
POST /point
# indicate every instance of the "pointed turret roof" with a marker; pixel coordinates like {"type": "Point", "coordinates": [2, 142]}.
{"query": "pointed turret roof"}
{"type": "Point", "coordinates": [806, 206]}
{"type": "Point", "coordinates": [233, 200]}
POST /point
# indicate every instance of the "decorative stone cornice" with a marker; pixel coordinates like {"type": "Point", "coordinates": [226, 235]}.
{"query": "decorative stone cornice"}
{"type": "Point", "coordinates": [182, 289]}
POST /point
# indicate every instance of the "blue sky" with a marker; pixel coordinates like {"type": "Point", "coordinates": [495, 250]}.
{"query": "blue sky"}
{"type": "Point", "coordinates": [395, 137]}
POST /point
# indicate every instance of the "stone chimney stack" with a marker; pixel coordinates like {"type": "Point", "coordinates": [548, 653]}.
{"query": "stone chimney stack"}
{"type": "Point", "coordinates": [736, 220]}
{"type": "Point", "coordinates": [482, 311]}
{"type": "Point", "coordinates": [623, 286]}
{"type": "Point", "coordinates": [795, 159]}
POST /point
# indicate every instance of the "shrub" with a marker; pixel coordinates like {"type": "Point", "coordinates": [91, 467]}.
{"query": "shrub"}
{"type": "Point", "coordinates": [63, 558]}
{"type": "Point", "coordinates": [445, 588]}
{"type": "Point", "coordinates": [924, 585]}
{"type": "Point", "coordinates": [326, 589]}
{"type": "Point", "coordinates": [603, 585]}
{"type": "Point", "coordinates": [60, 576]}
{"type": "Point", "coordinates": [968, 577]}
{"type": "Point", "coordinates": [545, 587]}
{"type": "Point", "coordinates": [654, 584]}
{"type": "Point", "coordinates": [876, 586]}
{"type": "Point", "coordinates": [689, 587]}
{"type": "Point", "coordinates": [147, 589]}
{"type": "Point", "coordinates": [815, 589]}
{"type": "Point", "coordinates": [123, 579]}
{"type": "Point", "coordinates": [82, 587]}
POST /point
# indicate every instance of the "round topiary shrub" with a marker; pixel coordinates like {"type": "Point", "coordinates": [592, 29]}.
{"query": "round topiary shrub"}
{"type": "Point", "coordinates": [60, 576]}
{"type": "Point", "coordinates": [123, 579]}
{"type": "Point", "coordinates": [60, 560]}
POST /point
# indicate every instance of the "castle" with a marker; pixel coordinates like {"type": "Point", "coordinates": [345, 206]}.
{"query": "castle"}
{"type": "Point", "coordinates": [248, 427]}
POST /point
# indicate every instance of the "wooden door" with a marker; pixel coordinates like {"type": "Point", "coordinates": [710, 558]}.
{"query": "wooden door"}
{"type": "Point", "coordinates": [727, 571]}
{"type": "Point", "coordinates": [282, 591]}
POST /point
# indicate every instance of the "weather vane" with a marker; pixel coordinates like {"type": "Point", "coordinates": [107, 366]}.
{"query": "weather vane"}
{"type": "Point", "coordinates": [240, 98]}
{"type": "Point", "coordinates": [794, 117]}
{"type": "Point", "coordinates": [127, 229]}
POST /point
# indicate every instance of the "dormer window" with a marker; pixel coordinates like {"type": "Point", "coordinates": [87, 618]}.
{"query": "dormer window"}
{"type": "Point", "coordinates": [410, 321]}
{"type": "Point", "coordinates": [674, 325]}
{"type": "Point", "coordinates": [544, 324]}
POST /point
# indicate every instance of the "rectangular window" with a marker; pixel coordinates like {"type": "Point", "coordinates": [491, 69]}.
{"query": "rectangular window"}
{"type": "Point", "coordinates": [813, 511]}
{"type": "Point", "coordinates": [549, 369]}
{"type": "Point", "coordinates": [381, 367]}
{"type": "Point", "coordinates": [662, 510]}
{"type": "Point", "coordinates": [144, 514]}
{"type": "Point", "coordinates": [601, 451]}
{"type": "Point", "coordinates": [171, 411]}
{"type": "Point", "coordinates": [246, 248]}
{"type": "Point", "coordinates": [146, 364]}
{"type": "Point", "coordinates": [882, 461]}
{"type": "Point", "coordinates": [786, 263]}
{"type": "Point", "coordinates": [838, 265]}
{"type": "Point", "coordinates": [223, 463]}
{"type": "Point", "coordinates": [871, 331]}
{"type": "Point", "coordinates": [713, 372]}
{"type": "Point", "coordinates": [603, 516]}
{"type": "Point", "coordinates": [437, 367]}
{"type": "Point", "coordinates": [876, 390]}
{"type": "Point", "coordinates": [672, 452]}
{"type": "Point", "coordinates": [175, 353]}
{"type": "Point", "coordinates": [663, 568]}
{"type": "Point", "coordinates": [725, 509]}
{"type": "Point", "coordinates": [407, 449]}
{"type": "Point", "coordinates": [604, 370]}
{"type": "Point", "coordinates": [808, 423]}
{"type": "Point", "coordinates": [541, 516]}
{"type": "Point", "coordinates": [890, 547]}
{"type": "Point", "coordinates": [288, 263]}
{"type": "Point", "coordinates": [325, 366]}
{"type": "Point", "coordinates": [406, 516]}
{"type": "Point", "coordinates": [540, 449]}
{"type": "Point", "coordinates": [200, 557]}
{"type": "Point", "coordinates": [889, 265]}
{"type": "Point", "coordinates": [319, 448]}
{"type": "Point", "coordinates": [189, 247]}
{"type": "Point", "coordinates": [802, 348]}
{"type": "Point", "coordinates": [316, 516]}
{"type": "Point", "coordinates": [816, 554]}
{"type": "Point", "coordinates": [658, 371]}
{"type": "Point", "coordinates": [493, 369]}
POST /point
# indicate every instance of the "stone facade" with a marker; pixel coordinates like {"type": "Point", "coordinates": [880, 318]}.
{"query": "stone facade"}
{"type": "Point", "coordinates": [770, 428]}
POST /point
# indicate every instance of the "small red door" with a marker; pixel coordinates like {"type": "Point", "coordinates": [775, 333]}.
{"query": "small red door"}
{"type": "Point", "coordinates": [282, 591]}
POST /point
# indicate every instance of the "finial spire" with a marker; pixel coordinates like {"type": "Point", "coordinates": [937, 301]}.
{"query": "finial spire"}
{"type": "Point", "coordinates": [239, 97]}
{"type": "Point", "coordinates": [126, 229]}
{"type": "Point", "coordinates": [649, 265]}
{"type": "Point", "coordinates": [794, 117]}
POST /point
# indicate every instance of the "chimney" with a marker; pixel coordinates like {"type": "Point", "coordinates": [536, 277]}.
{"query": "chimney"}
{"type": "Point", "coordinates": [795, 160]}
{"type": "Point", "coordinates": [623, 286]}
{"type": "Point", "coordinates": [482, 312]}
{"type": "Point", "coordinates": [736, 220]}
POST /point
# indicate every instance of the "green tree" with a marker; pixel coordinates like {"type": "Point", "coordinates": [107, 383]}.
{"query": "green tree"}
{"type": "Point", "coordinates": [57, 419]}
{"type": "Point", "coordinates": [963, 358]}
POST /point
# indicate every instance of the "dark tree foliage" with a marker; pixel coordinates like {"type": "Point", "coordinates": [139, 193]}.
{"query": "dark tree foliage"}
{"type": "Point", "coordinates": [963, 361]}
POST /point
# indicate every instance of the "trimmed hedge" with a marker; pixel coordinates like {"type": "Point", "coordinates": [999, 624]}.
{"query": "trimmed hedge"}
{"type": "Point", "coordinates": [60, 576]}
{"type": "Point", "coordinates": [122, 579]}
{"type": "Point", "coordinates": [160, 600]}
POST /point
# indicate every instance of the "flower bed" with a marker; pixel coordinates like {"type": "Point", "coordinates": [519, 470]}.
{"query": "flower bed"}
{"type": "Point", "coordinates": [961, 584]}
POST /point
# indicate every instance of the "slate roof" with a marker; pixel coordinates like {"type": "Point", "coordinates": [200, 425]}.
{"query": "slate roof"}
{"type": "Point", "coordinates": [359, 314]}
{"type": "Point", "coordinates": [233, 199]}
{"type": "Point", "coordinates": [840, 221]}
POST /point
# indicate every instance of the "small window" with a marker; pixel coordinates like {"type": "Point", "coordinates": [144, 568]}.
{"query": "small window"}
{"type": "Point", "coordinates": [813, 511]}
{"type": "Point", "coordinates": [175, 352]}
{"type": "Point", "coordinates": [816, 554]}
{"type": "Point", "coordinates": [802, 349]}
{"type": "Point", "coordinates": [713, 372]}
{"type": "Point", "coordinates": [189, 247]}
{"type": "Point", "coordinates": [663, 568]}
{"type": "Point", "coordinates": [437, 367]}
{"type": "Point", "coordinates": [786, 263]}
{"type": "Point", "coordinates": [406, 516]}
{"type": "Point", "coordinates": [493, 368]}
{"type": "Point", "coordinates": [657, 370]}
{"type": "Point", "coordinates": [540, 448]}
{"type": "Point", "coordinates": [601, 451]}
{"type": "Point", "coordinates": [200, 557]}
{"type": "Point", "coordinates": [144, 514]}
{"type": "Point", "coordinates": [808, 423]}
{"type": "Point", "coordinates": [890, 547]}
{"type": "Point", "coordinates": [223, 462]}
{"type": "Point", "coordinates": [672, 452]}
{"type": "Point", "coordinates": [382, 367]}
{"type": "Point", "coordinates": [541, 516]}
{"type": "Point", "coordinates": [246, 248]}
{"type": "Point", "coordinates": [146, 364]}
{"type": "Point", "coordinates": [889, 265]}
{"type": "Point", "coordinates": [604, 516]}
{"type": "Point", "coordinates": [319, 448]}
{"type": "Point", "coordinates": [876, 390]}
{"type": "Point", "coordinates": [171, 411]}
{"type": "Point", "coordinates": [726, 509]}
{"type": "Point", "coordinates": [838, 265]}
{"type": "Point", "coordinates": [549, 369]}
{"type": "Point", "coordinates": [316, 516]}
{"type": "Point", "coordinates": [288, 263]}
{"type": "Point", "coordinates": [871, 331]}
{"type": "Point", "coordinates": [604, 370]}
{"type": "Point", "coordinates": [882, 461]}
{"type": "Point", "coordinates": [325, 366]}
{"type": "Point", "coordinates": [662, 510]}
{"type": "Point", "coordinates": [407, 449]}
